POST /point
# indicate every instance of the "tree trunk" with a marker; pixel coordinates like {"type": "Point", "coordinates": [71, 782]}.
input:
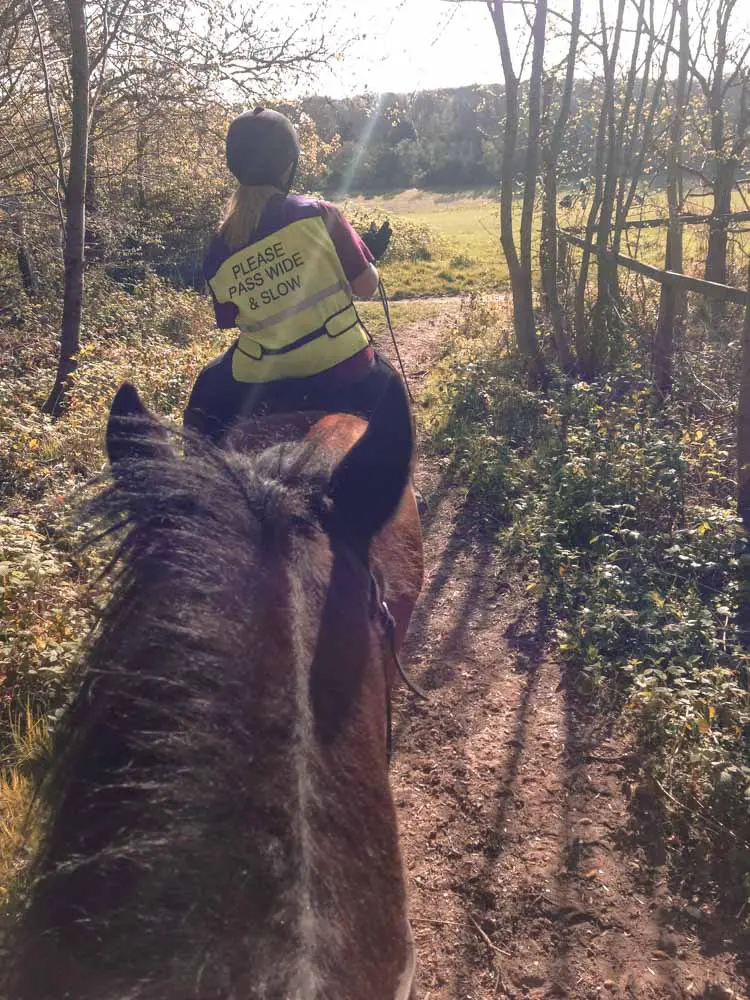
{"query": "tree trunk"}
{"type": "Point", "coordinates": [534, 123]}
{"type": "Point", "coordinates": [526, 314]}
{"type": "Point", "coordinates": [26, 267]}
{"type": "Point", "coordinates": [549, 268]}
{"type": "Point", "coordinates": [670, 317]}
{"type": "Point", "coordinates": [584, 353]}
{"type": "Point", "coordinates": [548, 248]}
{"type": "Point", "coordinates": [603, 322]}
{"type": "Point", "coordinates": [640, 144]}
{"type": "Point", "coordinates": [724, 165]}
{"type": "Point", "coordinates": [673, 303]}
{"type": "Point", "coordinates": [75, 210]}
{"type": "Point", "coordinates": [743, 477]}
{"type": "Point", "coordinates": [520, 277]}
{"type": "Point", "coordinates": [587, 337]}
{"type": "Point", "coordinates": [548, 229]}
{"type": "Point", "coordinates": [716, 258]}
{"type": "Point", "coordinates": [92, 240]}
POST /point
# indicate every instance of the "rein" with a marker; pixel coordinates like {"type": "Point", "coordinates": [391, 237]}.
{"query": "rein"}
{"type": "Point", "coordinates": [388, 622]}
{"type": "Point", "coordinates": [387, 312]}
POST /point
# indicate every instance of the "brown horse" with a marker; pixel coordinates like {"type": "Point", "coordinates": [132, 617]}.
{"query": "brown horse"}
{"type": "Point", "coordinates": [220, 824]}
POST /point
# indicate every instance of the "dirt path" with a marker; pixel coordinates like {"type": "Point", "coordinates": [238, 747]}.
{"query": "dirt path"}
{"type": "Point", "coordinates": [525, 880]}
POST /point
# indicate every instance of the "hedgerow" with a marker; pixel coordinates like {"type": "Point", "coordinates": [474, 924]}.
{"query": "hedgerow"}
{"type": "Point", "coordinates": [621, 509]}
{"type": "Point", "coordinates": [157, 338]}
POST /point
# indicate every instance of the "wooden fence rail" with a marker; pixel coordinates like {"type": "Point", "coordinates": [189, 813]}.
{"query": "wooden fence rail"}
{"type": "Point", "coordinates": [688, 219]}
{"type": "Point", "coordinates": [711, 289]}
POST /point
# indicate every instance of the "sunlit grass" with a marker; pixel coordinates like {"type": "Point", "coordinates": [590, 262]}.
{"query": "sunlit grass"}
{"type": "Point", "coordinates": [15, 800]}
{"type": "Point", "coordinates": [29, 739]}
{"type": "Point", "coordinates": [402, 312]}
{"type": "Point", "coordinates": [473, 261]}
{"type": "Point", "coordinates": [28, 744]}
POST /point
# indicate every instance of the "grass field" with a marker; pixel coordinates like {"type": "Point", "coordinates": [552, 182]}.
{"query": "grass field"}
{"type": "Point", "coordinates": [468, 256]}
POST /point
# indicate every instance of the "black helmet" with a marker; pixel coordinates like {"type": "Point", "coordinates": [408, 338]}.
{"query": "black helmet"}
{"type": "Point", "coordinates": [261, 145]}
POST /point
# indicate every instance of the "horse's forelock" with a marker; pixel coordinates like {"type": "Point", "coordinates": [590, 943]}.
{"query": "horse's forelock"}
{"type": "Point", "coordinates": [207, 493]}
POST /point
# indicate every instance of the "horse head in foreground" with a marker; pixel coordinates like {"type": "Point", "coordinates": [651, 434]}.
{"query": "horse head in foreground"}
{"type": "Point", "coordinates": [219, 820]}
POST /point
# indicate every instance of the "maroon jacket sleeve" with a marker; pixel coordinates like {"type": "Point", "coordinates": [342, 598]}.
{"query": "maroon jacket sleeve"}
{"type": "Point", "coordinates": [226, 312]}
{"type": "Point", "coordinates": [353, 254]}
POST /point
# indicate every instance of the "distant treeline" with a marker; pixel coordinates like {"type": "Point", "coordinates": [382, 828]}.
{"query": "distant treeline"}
{"type": "Point", "coordinates": [441, 139]}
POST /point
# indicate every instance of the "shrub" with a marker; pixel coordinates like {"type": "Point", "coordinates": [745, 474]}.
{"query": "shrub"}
{"type": "Point", "coordinates": [411, 241]}
{"type": "Point", "coordinates": [619, 507]}
{"type": "Point", "coordinates": [156, 337]}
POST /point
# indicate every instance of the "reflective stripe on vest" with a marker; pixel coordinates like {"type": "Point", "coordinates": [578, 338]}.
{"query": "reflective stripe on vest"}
{"type": "Point", "coordinates": [294, 305]}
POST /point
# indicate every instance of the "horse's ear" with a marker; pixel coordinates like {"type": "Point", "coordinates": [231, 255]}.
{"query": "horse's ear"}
{"type": "Point", "coordinates": [367, 485]}
{"type": "Point", "coordinates": [132, 432]}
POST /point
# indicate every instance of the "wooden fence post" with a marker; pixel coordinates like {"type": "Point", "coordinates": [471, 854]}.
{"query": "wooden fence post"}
{"type": "Point", "coordinates": [664, 334]}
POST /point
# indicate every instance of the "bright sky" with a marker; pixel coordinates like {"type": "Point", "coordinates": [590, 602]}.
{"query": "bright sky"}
{"type": "Point", "coordinates": [414, 45]}
{"type": "Point", "coordinates": [427, 44]}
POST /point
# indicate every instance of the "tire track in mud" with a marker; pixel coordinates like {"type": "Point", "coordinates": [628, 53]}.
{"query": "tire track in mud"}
{"type": "Point", "coordinates": [513, 800]}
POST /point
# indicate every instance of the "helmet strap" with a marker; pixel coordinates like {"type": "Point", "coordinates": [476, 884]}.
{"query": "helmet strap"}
{"type": "Point", "coordinates": [287, 187]}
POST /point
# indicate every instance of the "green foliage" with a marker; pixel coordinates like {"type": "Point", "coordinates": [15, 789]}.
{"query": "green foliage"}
{"type": "Point", "coordinates": [156, 337]}
{"type": "Point", "coordinates": [620, 507]}
{"type": "Point", "coordinates": [42, 619]}
{"type": "Point", "coordinates": [478, 413]}
{"type": "Point", "coordinates": [411, 241]}
{"type": "Point", "coordinates": [433, 139]}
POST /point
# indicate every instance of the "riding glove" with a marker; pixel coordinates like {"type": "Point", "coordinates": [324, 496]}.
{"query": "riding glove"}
{"type": "Point", "coordinates": [377, 240]}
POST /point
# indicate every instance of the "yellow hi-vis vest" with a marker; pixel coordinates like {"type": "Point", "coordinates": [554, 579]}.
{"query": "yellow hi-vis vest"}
{"type": "Point", "coordinates": [294, 305]}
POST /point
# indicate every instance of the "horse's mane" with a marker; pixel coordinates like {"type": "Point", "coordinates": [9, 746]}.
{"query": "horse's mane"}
{"type": "Point", "coordinates": [164, 731]}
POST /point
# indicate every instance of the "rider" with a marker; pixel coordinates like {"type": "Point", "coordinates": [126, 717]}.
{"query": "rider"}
{"type": "Point", "coordinates": [283, 269]}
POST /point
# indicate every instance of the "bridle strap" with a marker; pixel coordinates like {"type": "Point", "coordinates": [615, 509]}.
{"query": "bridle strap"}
{"type": "Point", "coordinates": [389, 627]}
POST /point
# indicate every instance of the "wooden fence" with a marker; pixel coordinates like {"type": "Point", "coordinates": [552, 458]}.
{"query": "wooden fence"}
{"type": "Point", "coordinates": [711, 289]}
{"type": "Point", "coordinates": [687, 219]}
{"type": "Point", "coordinates": [728, 293]}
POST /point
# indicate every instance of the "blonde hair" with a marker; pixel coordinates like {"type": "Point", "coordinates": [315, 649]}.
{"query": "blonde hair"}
{"type": "Point", "coordinates": [242, 213]}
